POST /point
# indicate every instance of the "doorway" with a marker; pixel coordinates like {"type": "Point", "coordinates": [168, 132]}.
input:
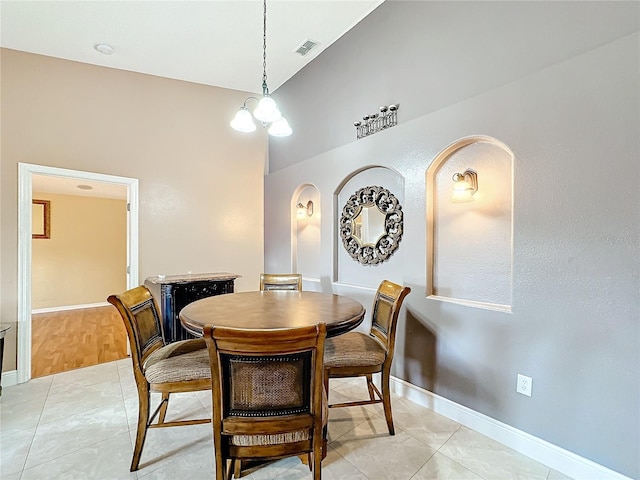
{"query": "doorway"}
{"type": "Point", "coordinates": [26, 175]}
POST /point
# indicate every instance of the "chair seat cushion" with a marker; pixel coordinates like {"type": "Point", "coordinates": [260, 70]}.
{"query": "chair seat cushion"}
{"type": "Point", "coordinates": [178, 362]}
{"type": "Point", "coordinates": [353, 349]}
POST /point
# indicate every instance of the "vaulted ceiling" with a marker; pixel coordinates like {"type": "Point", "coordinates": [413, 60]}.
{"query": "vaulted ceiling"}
{"type": "Point", "coordinates": [209, 42]}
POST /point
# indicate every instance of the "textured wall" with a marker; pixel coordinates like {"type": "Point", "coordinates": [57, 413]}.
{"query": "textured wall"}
{"type": "Point", "coordinates": [87, 248]}
{"type": "Point", "coordinates": [201, 183]}
{"type": "Point", "coordinates": [563, 96]}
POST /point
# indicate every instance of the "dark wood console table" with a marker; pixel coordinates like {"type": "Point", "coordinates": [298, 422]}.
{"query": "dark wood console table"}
{"type": "Point", "coordinates": [174, 292]}
{"type": "Point", "coordinates": [3, 331]}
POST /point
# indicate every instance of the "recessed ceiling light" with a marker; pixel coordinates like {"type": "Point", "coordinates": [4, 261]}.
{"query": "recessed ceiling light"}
{"type": "Point", "coordinates": [85, 187]}
{"type": "Point", "coordinates": [104, 48]}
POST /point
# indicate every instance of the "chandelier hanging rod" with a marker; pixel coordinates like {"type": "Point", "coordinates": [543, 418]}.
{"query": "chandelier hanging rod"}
{"type": "Point", "coordinates": [267, 111]}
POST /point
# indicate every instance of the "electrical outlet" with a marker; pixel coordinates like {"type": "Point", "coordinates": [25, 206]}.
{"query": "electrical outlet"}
{"type": "Point", "coordinates": [524, 385]}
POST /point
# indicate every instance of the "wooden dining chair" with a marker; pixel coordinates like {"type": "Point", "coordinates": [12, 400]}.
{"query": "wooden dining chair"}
{"type": "Point", "coordinates": [158, 367]}
{"type": "Point", "coordinates": [280, 281]}
{"type": "Point", "coordinates": [356, 354]}
{"type": "Point", "coordinates": [267, 393]}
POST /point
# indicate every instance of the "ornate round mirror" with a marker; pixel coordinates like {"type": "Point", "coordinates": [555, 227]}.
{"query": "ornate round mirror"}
{"type": "Point", "coordinates": [371, 225]}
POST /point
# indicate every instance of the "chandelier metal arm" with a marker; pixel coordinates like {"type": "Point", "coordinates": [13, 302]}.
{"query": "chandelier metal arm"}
{"type": "Point", "coordinates": [250, 98]}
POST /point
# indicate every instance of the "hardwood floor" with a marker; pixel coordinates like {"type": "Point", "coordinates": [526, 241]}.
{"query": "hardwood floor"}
{"type": "Point", "coordinates": [71, 339]}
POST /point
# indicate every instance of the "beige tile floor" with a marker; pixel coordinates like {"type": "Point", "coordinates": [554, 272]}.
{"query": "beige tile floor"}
{"type": "Point", "coordinates": [81, 425]}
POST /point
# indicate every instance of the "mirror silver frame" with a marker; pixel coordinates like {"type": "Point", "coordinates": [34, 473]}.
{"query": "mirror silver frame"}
{"type": "Point", "coordinates": [388, 241]}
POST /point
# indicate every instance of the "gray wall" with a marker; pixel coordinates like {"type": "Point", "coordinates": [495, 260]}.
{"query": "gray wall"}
{"type": "Point", "coordinates": [557, 82]}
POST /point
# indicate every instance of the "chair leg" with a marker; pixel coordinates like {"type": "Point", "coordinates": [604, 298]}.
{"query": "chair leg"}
{"type": "Point", "coordinates": [372, 395]}
{"type": "Point", "coordinates": [325, 380]}
{"type": "Point", "coordinates": [386, 401]}
{"type": "Point", "coordinates": [317, 464]}
{"type": "Point", "coordinates": [141, 433]}
{"type": "Point", "coordinates": [163, 407]}
{"type": "Point", "coordinates": [224, 463]}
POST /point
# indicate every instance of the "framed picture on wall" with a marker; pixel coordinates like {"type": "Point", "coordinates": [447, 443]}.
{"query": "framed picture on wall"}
{"type": "Point", "coordinates": [41, 219]}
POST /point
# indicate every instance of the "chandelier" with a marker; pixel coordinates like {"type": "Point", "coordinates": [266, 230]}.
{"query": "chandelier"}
{"type": "Point", "coordinates": [267, 111]}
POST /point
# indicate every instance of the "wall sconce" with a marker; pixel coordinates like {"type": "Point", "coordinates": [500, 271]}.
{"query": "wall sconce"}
{"type": "Point", "coordinates": [465, 185]}
{"type": "Point", "coordinates": [305, 210]}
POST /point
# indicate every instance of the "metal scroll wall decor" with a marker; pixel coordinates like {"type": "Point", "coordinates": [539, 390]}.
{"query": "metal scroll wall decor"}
{"type": "Point", "coordinates": [371, 225]}
{"type": "Point", "coordinates": [376, 122]}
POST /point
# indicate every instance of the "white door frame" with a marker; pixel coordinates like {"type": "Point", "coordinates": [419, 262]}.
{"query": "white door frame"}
{"type": "Point", "coordinates": [25, 196]}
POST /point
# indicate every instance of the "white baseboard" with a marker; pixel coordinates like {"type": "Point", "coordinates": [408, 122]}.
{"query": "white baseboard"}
{"type": "Point", "coordinates": [10, 378]}
{"type": "Point", "coordinates": [69, 307]}
{"type": "Point", "coordinates": [540, 450]}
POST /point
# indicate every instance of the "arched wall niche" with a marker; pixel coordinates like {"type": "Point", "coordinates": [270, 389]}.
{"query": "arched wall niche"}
{"type": "Point", "coordinates": [306, 239]}
{"type": "Point", "coordinates": [347, 270]}
{"type": "Point", "coordinates": [470, 245]}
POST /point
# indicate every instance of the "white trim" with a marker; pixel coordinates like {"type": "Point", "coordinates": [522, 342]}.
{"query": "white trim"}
{"type": "Point", "coordinates": [540, 450]}
{"type": "Point", "coordinates": [69, 307]}
{"type": "Point", "coordinates": [354, 286]}
{"type": "Point", "coordinates": [472, 303]}
{"type": "Point", "coordinates": [24, 273]}
{"type": "Point", "coordinates": [25, 196]}
{"type": "Point", "coordinates": [9, 379]}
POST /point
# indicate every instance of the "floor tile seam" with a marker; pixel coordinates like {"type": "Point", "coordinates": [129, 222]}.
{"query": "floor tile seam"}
{"type": "Point", "coordinates": [510, 452]}
{"type": "Point", "coordinates": [69, 452]}
{"type": "Point", "coordinates": [122, 390]}
{"type": "Point", "coordinates": [24, 462]}
{"type": "Point", "coordinates": [343, 386]}
{"type": "Point", "coordinates": [88, 388]}
{"type": "Point", "coordinates": [79, 412]}
{"type": "Point", "coordinates": [422, 466]}
{"type": "Point", "coordinates": [348, 431]}
{"type": "Point", "coordinates": [467, 467]}
{"type": "Point", "coordinates": [206, 407]}
{"type": "Point", "coordinates": [19, 402]}
{"type": "Point", "coordinates": [453, 459]}
{"type": "Point", "coordinates": [4, 434]}
{"type": "Point", "coordinates": [421, 440]}
{"type": "Point", "coordinates": [106, 366]}
{"type": "Point", "coordinates": [351, 463]}
{"type": "Point", "coordinates": [126, 416]}
{"type": "Point", "coordinates": [464, 466]}
{"type": "Point", "coordinates": [379, 413]}
{"type": "Point", "coordinates": [38, 423]}
{"type": "Point", "coordinates": [155, 464]}
{"type": "Point", "coordinates": [57, 457]}
{"type": "Point", "coordinates": [427, 444]}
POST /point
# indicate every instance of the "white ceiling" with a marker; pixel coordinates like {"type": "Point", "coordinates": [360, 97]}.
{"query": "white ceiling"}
{"type": "Point", "coordinates": [77, 187]}
{"type": "Point", "coordinates": [212, 42]}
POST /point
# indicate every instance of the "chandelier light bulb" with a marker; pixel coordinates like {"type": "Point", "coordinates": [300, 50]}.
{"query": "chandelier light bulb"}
{"type": "Point", "coordinates": [267, 110]}
{"type": "Point", "coordinates": [243, 121]}
{"type": "Point", "coordinates": [280, 128]}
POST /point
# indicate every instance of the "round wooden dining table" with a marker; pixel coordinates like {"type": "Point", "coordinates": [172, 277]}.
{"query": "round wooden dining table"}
{"type": "Point", "coordinates": [273, 309]}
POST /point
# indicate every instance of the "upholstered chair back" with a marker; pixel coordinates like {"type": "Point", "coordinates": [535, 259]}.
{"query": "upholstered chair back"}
{"type": "Point", "coordinates": [280, 281]}
{"type": "Point", "coordinates": [142, 321]}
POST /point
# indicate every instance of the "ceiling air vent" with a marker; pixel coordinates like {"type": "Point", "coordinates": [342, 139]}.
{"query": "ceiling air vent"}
{"type": "Point", "coordinates": [306, 47]}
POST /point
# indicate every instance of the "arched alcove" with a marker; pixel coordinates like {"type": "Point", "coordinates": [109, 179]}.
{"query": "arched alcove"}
{"type": "Point", "coordinates": [305, 232]}
{"type": "Point", "coordinates": [470, 245]}
{"type": "Point", "coordinates": [348, 270]}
